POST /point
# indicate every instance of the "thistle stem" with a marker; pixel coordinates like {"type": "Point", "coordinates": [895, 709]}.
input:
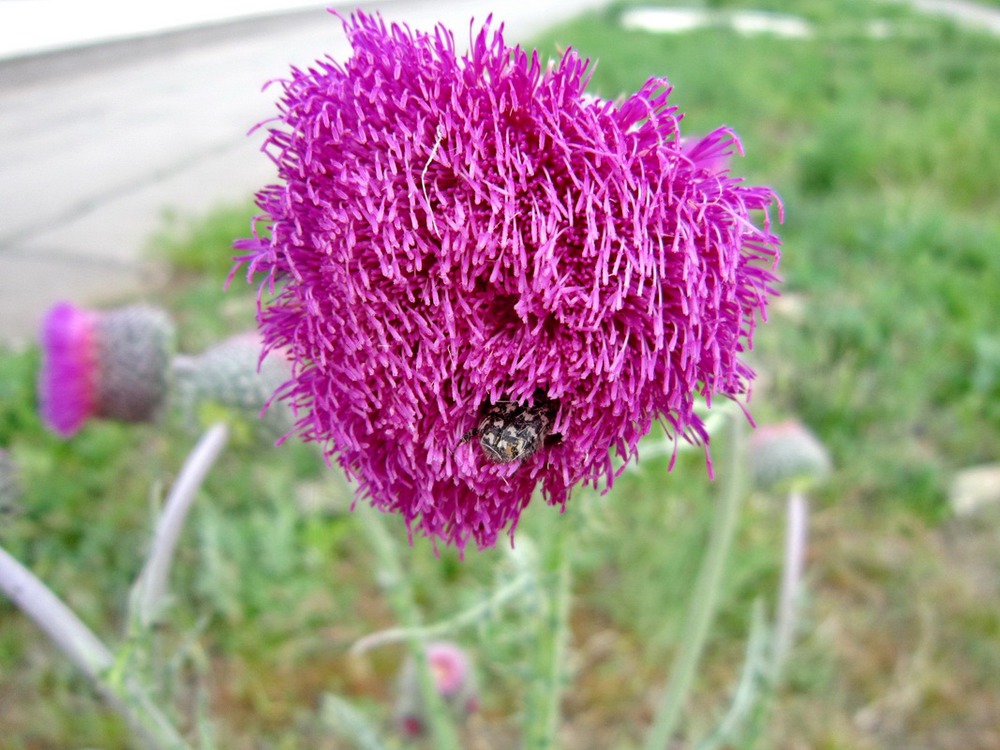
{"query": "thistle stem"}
{"type": "Point", "coordinates": [706, 594]}
{"type": "Point", "coordinates": [545, 696]}
{"type": "Point", "coordinates": [750, 690]}
{"type": "Point", "coordinates": [400, 593]}
{"type": "Point", "coordinates": [796, 538]}
{"type": "Point", "coordinates": [470, 616]}
{"type": "Point", "coordinates": [86, 651]}
{"type": "Point", "coordinates": [151, 586]}
{"type": "Point", "coordinates": [54, 618]}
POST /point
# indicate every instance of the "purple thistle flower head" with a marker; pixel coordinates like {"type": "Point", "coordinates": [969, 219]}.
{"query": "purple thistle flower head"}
{"type": "Point", "coordinates": [111, 364]}
{"type": "Point", "coordinates": [66, 386]}
{"type": "Point", "coordinates": [488, 279]}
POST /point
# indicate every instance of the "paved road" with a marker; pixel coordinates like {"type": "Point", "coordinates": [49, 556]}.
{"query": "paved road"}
{"type": "Point", "coordinates": [96, 144]}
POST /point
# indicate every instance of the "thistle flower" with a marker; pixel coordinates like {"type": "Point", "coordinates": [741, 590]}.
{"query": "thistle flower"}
{"type": "Point", "coordinates": [488, 279]}
{"type": "Point", "coordinates": [231, 375]}
{"type": "Point", "coordinates": [110, 365]}
{"type": "Point", "coordinates": [453, 678]}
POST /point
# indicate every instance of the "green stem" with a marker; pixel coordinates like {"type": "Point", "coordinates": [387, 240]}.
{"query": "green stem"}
{"type": "Point", "coordinates": [545, 697]}
{"type": "Point", "coordinates": [706, 594]}
{"type": "Point", "coordinates": [400, 593]}
{"type": "Point", "coordinates": [87, 652]}
{"type": "Point", "coordinates": [464, 619]}
{"type": "Point", "coordinates": [751, 688]}
{"type": "Point", "coordinates": [796, 538]}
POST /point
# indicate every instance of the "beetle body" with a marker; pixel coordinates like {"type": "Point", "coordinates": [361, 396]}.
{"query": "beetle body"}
{"type": "Point", "coordinates": [510, 432]}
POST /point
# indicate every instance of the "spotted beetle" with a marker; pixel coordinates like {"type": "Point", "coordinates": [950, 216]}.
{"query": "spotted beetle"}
{"type": "Point", "coordinates": [509, 431]}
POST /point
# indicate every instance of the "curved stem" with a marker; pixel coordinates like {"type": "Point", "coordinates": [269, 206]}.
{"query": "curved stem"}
{"type": "Point", "coordinates": [751, 688]}
{"type": "Point", "coordinates": [151, 586]}
{"type": "Point", "coordinates": [463, 619]}
{"type": "Point", "coordinates": [86, 651]}
{"type": "Point", "coordinates": [54, 618]}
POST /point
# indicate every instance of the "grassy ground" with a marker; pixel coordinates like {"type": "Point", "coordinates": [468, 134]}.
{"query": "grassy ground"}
{"type": "Point", "coordinates": [885, 343]}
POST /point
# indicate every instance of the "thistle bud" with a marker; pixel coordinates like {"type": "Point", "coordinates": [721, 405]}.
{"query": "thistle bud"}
{"type": "Point", "coordinates": [787, 456]}
{"type": "Point", "coordinates": [453, 679]}
{"type": "Point", "coordinates": [104, 364]}
{"type": "Point", "coordinates": [232, 376]}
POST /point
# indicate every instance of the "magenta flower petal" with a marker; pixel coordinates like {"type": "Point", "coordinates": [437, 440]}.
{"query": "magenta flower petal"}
{"type": "Point", "coordinates": [454, 679]}
{"type": "Point", "coordinates": [450, 666]}
{"type": "Point", "coordinates": [454, 235]}
{"type": "Point", "coordinates": [67, 383]}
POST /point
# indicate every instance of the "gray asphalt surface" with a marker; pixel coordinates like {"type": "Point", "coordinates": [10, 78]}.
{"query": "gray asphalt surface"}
{"type": "Point", "coordinates": [97, 143]}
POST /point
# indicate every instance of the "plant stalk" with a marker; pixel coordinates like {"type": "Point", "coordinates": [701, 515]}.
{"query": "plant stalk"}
{"type": "Point", "coordinates": [796, 539]}
{"type": "Point", "coordinates": [87, 652]}
{"type": "Point", "coordinates": [150, 588]}
{"type": "Point", "coordinates": [471, 616]}
{"type": "Point", "coordinates": [706, 594]}
{"type": "Point", "coordinates": [544, 710]}
{"type": "Point", "coordinates": [400, 593]}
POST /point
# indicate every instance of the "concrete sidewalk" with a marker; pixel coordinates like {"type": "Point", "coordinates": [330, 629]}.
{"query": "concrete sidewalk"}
{"type": "Point", "coordinates": [97, 142]}
{"type": "Point", "coordinates": [46, 26]}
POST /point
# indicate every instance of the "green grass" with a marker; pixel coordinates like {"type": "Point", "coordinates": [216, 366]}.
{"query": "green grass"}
{"type": "Point", "coordinates": [886, 342]}
{"type": "Point", "coordinates": [883, 156]}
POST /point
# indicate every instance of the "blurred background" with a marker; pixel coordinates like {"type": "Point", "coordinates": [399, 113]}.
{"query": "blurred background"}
{"type": "Point", "coordinates": [116, 118]}
{"type": "Point", "coordinates": [126, 172]}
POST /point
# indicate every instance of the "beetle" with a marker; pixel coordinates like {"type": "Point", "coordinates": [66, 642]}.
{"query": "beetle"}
{"type": "Point", "coordinates": [509, 431]}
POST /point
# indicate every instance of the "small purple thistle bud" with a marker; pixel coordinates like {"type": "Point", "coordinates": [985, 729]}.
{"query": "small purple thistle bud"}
{"type": "Point", "coordinates": [455, 682]}
{"type": "Point", "coordinates": [232, 375]}
{"type": "Point", "coordinates": [787, 456]}
{"type": "Point", "coordinates": [103, 364]}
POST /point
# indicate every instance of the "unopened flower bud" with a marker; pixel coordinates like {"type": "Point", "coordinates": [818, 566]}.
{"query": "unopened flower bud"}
{"type": "Point", "coordinates": [111, 364]}
{"type": "Point", "coordinates": [787, 456]}
{"type": "Point", "coordinates": [453, 678]}
{"type": "Point", "coordinates": [232, 376]}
